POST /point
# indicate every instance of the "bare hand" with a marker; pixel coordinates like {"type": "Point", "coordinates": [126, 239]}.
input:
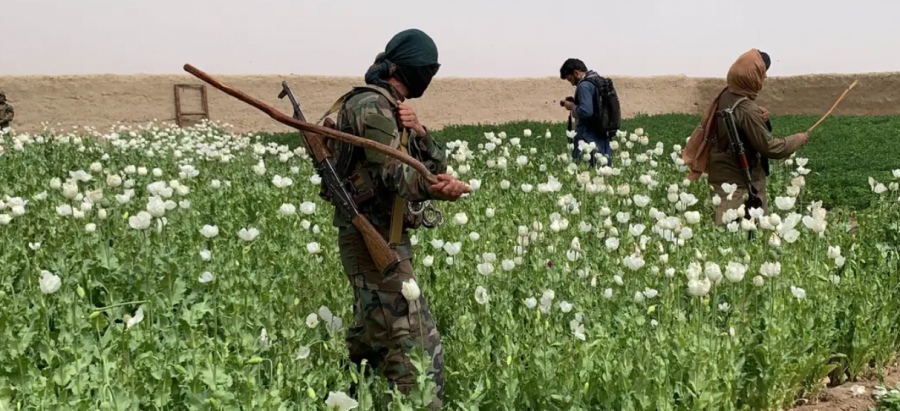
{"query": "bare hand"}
{"type": "Point", "coordinates": [409, 120]}
{"type": "Point", "coordinates": [803, 137]}
{"type": "Point", "coordinates": [765, 113]}
{"type": "Point", "coordinates": [569, 105]}
{"type": "Point", "coordinates": [449, 188]}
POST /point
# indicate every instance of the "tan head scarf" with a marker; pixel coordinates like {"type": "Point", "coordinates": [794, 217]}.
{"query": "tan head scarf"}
{"type": "Point", "coordinates": [746, 75]}
{"type": "Point", "coordinates": [745, 78]}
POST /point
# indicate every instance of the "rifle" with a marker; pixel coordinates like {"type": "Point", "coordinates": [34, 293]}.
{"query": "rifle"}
{"type": "Point", "coordinates": [384, 257]}
{"type": "Point", "coordinates": [737, 147]}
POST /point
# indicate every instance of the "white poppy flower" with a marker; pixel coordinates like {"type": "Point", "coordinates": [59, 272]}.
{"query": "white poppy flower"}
{"type": "Point", "coordinates": [410, 290]}
{"type": "Point", "coordinates": [308, 207]}
{"type": "Point", "coordinates": [248, 234]}
{"type": "Point", "coordinates": [339, 401]}
{"type": "Point", "coordinates": [49, 282]}
{"type": "Point", "coordinates": [140, 221]}
{"type": "Point", "coordinates": [209, 231]}
{"type": "Point", "coordinates": [481, 295]}
{"type": "Point", "coordinates": [303, 352]}
{"type": "Point", "coordinates": [138, 317]}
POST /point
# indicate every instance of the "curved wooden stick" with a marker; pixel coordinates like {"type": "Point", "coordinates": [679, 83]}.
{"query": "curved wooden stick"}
{"type": "Point", "coordinates": [834, 106]}
{"type": "Point", "coordinates": [313, 128]}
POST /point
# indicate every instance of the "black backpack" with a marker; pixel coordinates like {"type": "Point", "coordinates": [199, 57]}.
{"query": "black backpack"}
{"type": "Point", "coordinates": [610, 115]}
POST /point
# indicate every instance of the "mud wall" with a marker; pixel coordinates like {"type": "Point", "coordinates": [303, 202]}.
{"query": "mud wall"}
{"type": "Point", "coordinates": [105, 100]}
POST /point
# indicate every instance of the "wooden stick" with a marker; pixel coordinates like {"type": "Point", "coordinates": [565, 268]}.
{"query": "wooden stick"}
{"type": "Point", "coordinates": [313, 128]}
{"type": "Point", "coordinates": [833, 106]}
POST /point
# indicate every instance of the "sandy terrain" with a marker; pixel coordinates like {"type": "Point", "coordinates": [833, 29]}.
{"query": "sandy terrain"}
{"type": "Point", "coordinates": [842, 397]}
{"type": "Point", "coordinates": [103, 100]}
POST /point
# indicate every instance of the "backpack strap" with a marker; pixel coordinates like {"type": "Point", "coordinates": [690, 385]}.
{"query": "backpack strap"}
{"type": "Point", "coordinates": [396, 230]}
{"type": "Point", "coordinates": [335, 106]}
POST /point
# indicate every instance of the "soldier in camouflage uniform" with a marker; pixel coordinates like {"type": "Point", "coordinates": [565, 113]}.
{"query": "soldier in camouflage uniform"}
{"type": "Point", "coordinates": [6, 111]}
{"type": "Point", "coordinates": [386, 325]}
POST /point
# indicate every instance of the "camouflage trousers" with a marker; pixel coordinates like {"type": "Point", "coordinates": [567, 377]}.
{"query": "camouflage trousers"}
{"type": "Point", "coordinates": [386, 327]}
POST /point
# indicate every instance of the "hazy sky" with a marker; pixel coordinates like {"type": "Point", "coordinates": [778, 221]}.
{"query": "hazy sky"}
{"type": "Point", "coordinates": [486, 38]}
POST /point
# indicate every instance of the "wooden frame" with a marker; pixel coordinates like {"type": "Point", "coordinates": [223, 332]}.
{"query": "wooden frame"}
{"type": "Point", "coordinates": [179, 115]}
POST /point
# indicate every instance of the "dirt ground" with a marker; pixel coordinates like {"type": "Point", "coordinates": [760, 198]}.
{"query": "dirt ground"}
{"type": "Point", "coordinates": [106, 100]}
{"type": "Point", "coordinates": [843, 397]}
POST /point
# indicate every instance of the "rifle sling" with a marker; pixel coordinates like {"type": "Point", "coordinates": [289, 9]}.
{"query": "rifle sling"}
{"type": "Point", "coordinates": [340, 101]}
{"type": "Point", "coordinates": [738, 102]}
{"type": "Point", "coordinates": [725, 145]}
{"type": "Point", "coordinates": [399, 203]}
{"type": "Point", "coordinates": [334, 107]}
{"type": "Point", "coordinates": [750, 189]}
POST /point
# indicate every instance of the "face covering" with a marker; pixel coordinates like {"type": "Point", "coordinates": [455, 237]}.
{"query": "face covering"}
{"type": "Point", "coordinates": [415, 57]}
{"type": "Point", "coordinates": [416, 79]}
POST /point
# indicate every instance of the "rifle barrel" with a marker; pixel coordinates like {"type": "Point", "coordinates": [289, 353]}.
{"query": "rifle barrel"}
{"type": "Point", "coordinates": [298, 113]}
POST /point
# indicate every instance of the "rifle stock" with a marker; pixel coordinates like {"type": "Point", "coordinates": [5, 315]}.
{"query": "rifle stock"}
{"type": "Point", "coordinates": [383, 256]}
{"type": "Point", "coordinates": [313, 128]}
{"type": "Point", "coordinates": [316, 146]}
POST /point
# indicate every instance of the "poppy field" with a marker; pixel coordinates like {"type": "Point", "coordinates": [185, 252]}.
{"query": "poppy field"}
{"type": "Point", "coordinates": [159, 268]}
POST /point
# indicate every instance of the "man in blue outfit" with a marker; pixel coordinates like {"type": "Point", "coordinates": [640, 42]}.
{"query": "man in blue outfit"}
{"type": "Point", "coordinates": [595, 106]}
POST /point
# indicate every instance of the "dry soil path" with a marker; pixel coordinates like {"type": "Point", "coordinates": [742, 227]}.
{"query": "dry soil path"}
{"type": "Point", "coordinates": [847, 397]}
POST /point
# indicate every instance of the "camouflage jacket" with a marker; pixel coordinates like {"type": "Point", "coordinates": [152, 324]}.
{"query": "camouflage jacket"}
{"type": "Point", "coordinates": [371, 115]}
{"type": "Point", "coordinates": [6, 114]}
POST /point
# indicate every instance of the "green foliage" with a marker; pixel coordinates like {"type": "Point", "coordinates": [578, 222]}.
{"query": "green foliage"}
{"type": "Point", "coordinates": [887, 399]}
{"type": "Point", "coordinates": [844, 152]}
{"type": "Point", "coordinates": [553, 286]}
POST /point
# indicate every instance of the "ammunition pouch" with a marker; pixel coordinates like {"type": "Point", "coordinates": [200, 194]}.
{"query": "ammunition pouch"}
{"type": "Point", "coordinates": [421, 214]}
{"type": "Point", "coordinates": [362, 188]}
{"type": "Point", "coordinates": [359, 185]}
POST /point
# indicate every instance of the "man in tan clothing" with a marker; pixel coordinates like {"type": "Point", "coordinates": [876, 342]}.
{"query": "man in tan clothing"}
{"type": "Point", "coordinates": [708, 150]}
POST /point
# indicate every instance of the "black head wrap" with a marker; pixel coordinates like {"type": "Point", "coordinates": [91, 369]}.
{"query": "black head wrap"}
{"type": "Point", "coordinates": [766, 59]}
{"type": "Point", "coordinates": [412, 57]}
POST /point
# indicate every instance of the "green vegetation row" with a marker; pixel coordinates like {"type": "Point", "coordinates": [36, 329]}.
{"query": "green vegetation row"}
{"type": "Point", "coordinates": [843, 153]}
